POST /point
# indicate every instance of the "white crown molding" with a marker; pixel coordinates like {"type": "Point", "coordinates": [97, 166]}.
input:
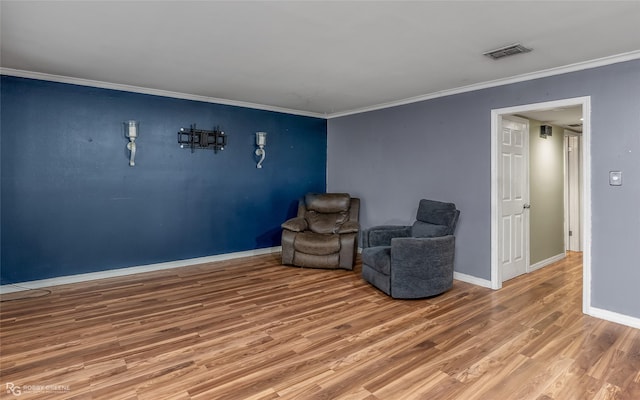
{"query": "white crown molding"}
{"type": "Point", "coordinates": [64, 280]}
{"type": "Point", "coordinates": [633, 55]}
{"type": "Point", "coordinates": [155, 92]}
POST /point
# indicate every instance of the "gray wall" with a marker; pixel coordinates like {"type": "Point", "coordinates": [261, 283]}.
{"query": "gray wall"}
{"type": "Point", "coordinates": [546, 193]}
{"type": "Point", "coordinates": [441, 149]}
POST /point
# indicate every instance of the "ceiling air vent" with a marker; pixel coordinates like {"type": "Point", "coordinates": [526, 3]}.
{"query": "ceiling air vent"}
{"type": "Point", "coordinates": [507, 51]}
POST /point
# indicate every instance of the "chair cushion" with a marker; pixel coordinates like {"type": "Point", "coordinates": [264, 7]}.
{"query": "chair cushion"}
{"type": "Point", "coordinates": [325, 223]}
{"type": "Point", "coordinates": [436, 212]}
{"type": "Point", "coordinates": [425, 230]}
{"type": "Point", "coordinates": [316, 243]}
{"type": "Point", "coordinates": [327, 203]}
{"type": "Point", "coordinates": [378, 258]}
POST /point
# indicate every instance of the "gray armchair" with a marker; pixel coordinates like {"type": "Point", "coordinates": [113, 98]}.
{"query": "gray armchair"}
{"type": "Point", "coordinates": [415, 261]}
{"type": "Point", "coordinates": [324, 234]}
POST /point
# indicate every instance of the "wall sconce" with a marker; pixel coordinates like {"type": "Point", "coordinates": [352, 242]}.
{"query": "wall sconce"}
{"type": "Point", "coordinates": [261, 142]}
{"type": "Point", "coordinates": [131, 133]}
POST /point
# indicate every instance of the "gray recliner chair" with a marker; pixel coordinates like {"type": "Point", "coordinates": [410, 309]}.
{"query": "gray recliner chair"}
{"type": "Point", "coordinates": [408, 262]}
{"type": "Point", "coordinates": [324, 234]}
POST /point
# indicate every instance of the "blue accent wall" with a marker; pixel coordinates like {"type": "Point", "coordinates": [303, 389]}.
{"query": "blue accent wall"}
{"type": "Point", "coordinates": [71, 204]}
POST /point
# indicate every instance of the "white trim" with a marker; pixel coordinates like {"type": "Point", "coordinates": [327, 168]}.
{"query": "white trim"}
{"type": "Point", "coordinates": [550, 260]}
{"type": "Point", "coordinates": [615, 317]}
{"type": "Point", "coordinates": [496, 114]}
{"type": "Point", "coordinates": [632, 55]}
{"type": "Point", "coordinates": [154, 92]}
{"type": "Point", "coordinates": [565, 186]}
{"type": "Point", "coordinates": [496, 281]}
{"type": "Point", "coordinates": [585, 197]}
{"type": "Point", "coordinates": [471, 279]}
{"type": "Point", "coordinates": [64, 280]}
{"type": "Point", "coordinates": [567, 211]}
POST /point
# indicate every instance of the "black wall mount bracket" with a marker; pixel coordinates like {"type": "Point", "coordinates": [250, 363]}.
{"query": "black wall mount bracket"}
{"type": "Point", "coordinates": [193, 138]}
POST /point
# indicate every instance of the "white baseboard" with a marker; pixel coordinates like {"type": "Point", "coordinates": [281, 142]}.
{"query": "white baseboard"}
{"type": "Point", "coordinates": [614, 317]}
{"type": "Point", "coordinates": [471, 279]}
{"type": "Point", "coordinates": [548, 261]}
{"type": "Point", "coordinates": [63, 280]}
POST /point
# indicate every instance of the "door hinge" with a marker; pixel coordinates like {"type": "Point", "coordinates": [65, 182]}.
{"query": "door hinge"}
{"type": "Point", "coordinates": [570, 233]}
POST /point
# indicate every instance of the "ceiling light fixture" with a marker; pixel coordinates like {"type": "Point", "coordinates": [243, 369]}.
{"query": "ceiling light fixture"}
{"type": "Point", "coordinates": [507, 51]}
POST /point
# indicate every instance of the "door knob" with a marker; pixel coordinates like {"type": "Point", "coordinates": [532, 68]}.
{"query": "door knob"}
{"type": "Point", "coordinates": [526, 206]}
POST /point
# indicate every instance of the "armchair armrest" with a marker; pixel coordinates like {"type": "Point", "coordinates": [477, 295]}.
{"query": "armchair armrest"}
{"type": "Point", "coordinates": [297, 224]}
{"type": "Point", "coordinates": [382, 235]}
{"type": "Point", "coordinates": [349, 227]}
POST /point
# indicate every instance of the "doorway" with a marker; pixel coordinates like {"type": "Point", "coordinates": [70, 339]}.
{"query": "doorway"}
{"type": "Point", "coordinates": [498, 238]}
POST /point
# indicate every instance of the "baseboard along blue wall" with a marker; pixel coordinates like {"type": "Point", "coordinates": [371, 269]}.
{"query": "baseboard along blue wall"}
{"type": "Point", "coordinates": [71, 204]}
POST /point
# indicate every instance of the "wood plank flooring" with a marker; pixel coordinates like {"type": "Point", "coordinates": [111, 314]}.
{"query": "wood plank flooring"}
{"type": "Point", "coordinates": [253, 329]}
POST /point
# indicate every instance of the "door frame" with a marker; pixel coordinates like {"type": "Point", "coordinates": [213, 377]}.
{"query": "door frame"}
{"type": "Point", "coordinates": [496, 116]}
{"type": "Point", "coordinates": [569, 209]}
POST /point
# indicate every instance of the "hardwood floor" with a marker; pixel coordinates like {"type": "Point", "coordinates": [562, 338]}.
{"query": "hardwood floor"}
{"type": "Point", "coordinates": [253, 329]}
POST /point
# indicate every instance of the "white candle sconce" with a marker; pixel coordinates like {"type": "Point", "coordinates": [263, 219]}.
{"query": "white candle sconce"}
{"type": "Point", "coordinates": [131, 129]}
{"type": "Point", "coordinates": [261, 142]}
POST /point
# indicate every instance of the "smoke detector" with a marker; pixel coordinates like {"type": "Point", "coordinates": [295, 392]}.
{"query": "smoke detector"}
{"type": "Point", "coordinates": [507, 51]}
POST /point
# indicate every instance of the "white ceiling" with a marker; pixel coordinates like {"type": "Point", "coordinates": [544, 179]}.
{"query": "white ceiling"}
{"type": "Point", "coordinates": [566, 117]}
{"type": "Point", "coordinates": [312, 58]}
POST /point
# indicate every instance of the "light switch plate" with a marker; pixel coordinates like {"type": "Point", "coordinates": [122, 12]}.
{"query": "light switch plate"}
{"type": "Point", "coordinates": [615, 178]}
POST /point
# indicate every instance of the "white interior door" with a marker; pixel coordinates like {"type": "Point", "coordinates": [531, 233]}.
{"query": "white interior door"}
{"type": "Point", "coordinates": [513, 193]}
{"type": "Point", "coordinates": [574, 211]}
